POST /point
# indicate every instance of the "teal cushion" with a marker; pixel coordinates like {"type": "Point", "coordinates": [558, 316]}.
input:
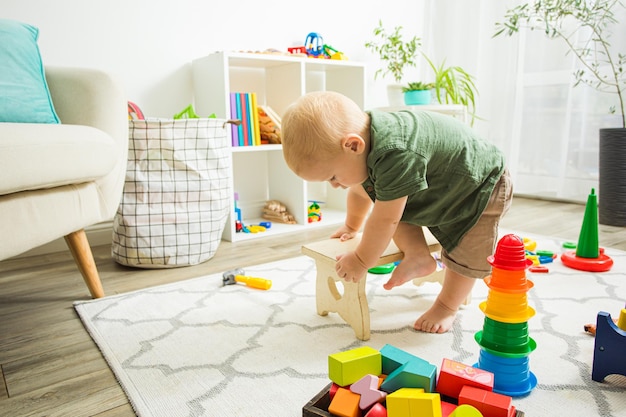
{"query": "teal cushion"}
{"type": "Point", "coordinates": [24, 94]}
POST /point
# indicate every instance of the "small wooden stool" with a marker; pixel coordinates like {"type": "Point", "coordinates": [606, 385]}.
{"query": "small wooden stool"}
{"type": "Point", "coordinates": [352, 306]}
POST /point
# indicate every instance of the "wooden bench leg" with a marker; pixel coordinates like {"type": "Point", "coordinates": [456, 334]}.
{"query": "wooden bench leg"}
{"type": "Point", "coordinates": [351, 305]}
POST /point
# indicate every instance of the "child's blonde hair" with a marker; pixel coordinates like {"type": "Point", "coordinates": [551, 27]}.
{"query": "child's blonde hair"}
{"type": "Point", "coordinates": [313, 126]}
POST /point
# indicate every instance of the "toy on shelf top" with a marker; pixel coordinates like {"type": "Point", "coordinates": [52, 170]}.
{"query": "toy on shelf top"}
{"type": "Point", "coordinates": [314, 47]}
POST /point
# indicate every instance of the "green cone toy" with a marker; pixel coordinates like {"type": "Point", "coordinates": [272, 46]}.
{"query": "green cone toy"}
{"type": "Point", "coordinates": [588, 245]}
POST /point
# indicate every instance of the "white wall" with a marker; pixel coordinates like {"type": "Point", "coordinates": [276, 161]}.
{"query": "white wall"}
{"type": "Point", "coordinates": [150, 43]}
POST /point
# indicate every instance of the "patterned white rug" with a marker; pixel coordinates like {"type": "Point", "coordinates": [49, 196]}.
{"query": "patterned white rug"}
{"type": "Point", "coordinates": [196, 348]}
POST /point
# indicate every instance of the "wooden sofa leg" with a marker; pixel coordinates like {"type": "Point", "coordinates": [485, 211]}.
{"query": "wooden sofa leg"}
{"type": "Point", "coordinates": [81, 251]}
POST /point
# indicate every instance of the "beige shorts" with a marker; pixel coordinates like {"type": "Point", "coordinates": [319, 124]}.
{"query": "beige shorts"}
{"type": "Point", "coordinates": [469, 258]}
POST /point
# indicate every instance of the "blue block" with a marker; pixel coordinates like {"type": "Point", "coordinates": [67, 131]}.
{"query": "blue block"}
{"type": "Point", "coordinates": [393, 358]}
{"type": "Point", "coordinates": [413, 374]}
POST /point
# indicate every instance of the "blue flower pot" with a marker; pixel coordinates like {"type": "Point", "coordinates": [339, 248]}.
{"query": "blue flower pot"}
{"type": "Point", "coordinates": [416, 97]}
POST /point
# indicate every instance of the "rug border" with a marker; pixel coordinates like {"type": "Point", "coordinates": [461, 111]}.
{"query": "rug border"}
{"type": "Point", "coordinates": [116, 368]}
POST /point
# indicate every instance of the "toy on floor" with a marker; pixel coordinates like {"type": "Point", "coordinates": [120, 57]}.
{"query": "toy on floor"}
{"type": "Point", "coordinates": [504, 340]}
{"type": "Point", "coordinates": [238, 275]}
{"type": "Point", "coordinates": [591, 327]}
{"type": "Point", "coordinates": [383, 269]}
{"type": "Point", "coordinates": [610, 345]}
{"type": "Point", "coordinates": [588, 256]}
{"type": "Point", "coordinates": [538, 257]}
{"type": "Point", "coordinates": [395, 383]}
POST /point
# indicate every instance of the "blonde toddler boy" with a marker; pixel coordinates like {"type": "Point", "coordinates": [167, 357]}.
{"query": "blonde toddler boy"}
{"type": "Point", "coordinates": [404, 170]}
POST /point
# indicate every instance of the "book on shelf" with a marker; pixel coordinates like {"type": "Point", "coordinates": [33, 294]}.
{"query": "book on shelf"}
{"type": "Point", "coordinates": [255, 122]}
{"type": "Point", "coordinates": [234, 129]}
{"type": "Point", "coordinates": [259, 123]}
{"type": "Point", "coordinates": [245, 119]}
{"type": "Point", "coordinates": [240, 126]}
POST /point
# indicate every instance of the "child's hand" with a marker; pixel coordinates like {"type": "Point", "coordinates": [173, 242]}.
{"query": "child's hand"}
{"type": "Point", "coordinates": [349, 267]}
{"type": "Point", "coordinates": [344, 233]}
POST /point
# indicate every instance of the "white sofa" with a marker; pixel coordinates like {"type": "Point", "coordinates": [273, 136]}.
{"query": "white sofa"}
{"type": "Point", "coordinates": [58, 179]}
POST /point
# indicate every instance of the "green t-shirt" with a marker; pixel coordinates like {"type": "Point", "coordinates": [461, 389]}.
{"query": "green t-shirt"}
{"type": "Point", "coordinates": [447, 171]}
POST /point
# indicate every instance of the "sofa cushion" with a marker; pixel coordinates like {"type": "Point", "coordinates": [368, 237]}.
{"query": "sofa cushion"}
{"type": "Point", "coordinates": [72, 154]}
{"type": "Point", "coordinates": [24, 94]}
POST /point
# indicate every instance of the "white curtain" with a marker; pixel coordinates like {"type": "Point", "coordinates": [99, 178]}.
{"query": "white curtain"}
{"type": "Point", "coordinates": [528, 106]}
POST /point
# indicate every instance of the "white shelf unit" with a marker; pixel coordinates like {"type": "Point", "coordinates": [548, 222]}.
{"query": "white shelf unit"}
{"type": "Point", "coordinates": [260, 172]}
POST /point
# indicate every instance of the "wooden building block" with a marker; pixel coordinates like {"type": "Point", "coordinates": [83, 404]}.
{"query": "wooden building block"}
{"type": "Point", "coordinates": [398, 402]}
{"type": "Point", "coordinates": [394, 357]}
{"type": "Point", "coordinates": [377, 410]}
{"type": "Point", "coordinates": [345, 368]}
{"type": "Point", "coordinates": [367, 388]}
{"type": "Point", "coordinates": [453, 376]}
{"type": "Point", "coordinates": [413, 402]}
{"type": "Point", "coordinates": [427, 404]}
{"type": "Point", "coordinates": [447, 408]}
{"type": "Point", "coordinates": [345, 403]}
{"type": "Point", "coordinates": [490, 404]}
{"type": "Point", "coordinates": [413, 374]}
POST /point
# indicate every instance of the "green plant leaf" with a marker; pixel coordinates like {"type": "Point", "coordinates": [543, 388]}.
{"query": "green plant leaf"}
{"type": "Point", "coordinates": [395, 53]}
{"type": "Point", "coordinates": [594, 20]}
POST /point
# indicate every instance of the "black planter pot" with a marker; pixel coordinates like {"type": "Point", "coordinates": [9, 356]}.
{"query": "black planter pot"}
{"type": "Point", "coordinates": [612, 177]}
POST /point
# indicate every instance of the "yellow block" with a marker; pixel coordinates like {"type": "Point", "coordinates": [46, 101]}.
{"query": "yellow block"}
{"type": "Point", "coordinates": [345, 368]}
{"type": "Point", "coordinates": [413, 402]}
{"type": "Point", "coordinates": [621, 322]}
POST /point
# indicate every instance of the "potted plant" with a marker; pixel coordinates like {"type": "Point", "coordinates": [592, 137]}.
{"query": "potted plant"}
{"type": "Point", "coordinates": [454, 85]}
{"type": "Point", "coordinates": [602, 68]}
{"type": "Point", "coordinates": [397, 54]}
{"type": "Point", "coordinates": [416, 93]}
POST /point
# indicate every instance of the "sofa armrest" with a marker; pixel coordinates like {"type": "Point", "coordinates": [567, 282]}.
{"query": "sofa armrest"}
{"type": "Point", "coordinates": [92, 97]}
{"type": "Point", "coordinates": [89, 97]}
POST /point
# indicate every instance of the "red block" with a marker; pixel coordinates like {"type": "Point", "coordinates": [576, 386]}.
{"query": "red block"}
{"type": "Point", "coordinates": [447, 408]}
{"type": "Point", "coordinates": [378, 410]}
{"type": "Point", "coordinates": [455, 375]}
{"type": "Point", "coordinates": [490, 404]}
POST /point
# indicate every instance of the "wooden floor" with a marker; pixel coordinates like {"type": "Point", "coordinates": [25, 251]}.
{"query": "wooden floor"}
{"type": "Point", "coordinates": [50, 366]}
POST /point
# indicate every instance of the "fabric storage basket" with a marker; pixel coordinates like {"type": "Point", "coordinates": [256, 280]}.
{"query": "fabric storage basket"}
{"type": "Point", "coordinates": [176, 195]}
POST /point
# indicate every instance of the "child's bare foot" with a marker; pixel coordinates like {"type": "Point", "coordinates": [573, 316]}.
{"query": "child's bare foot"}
{"type": "Point", "coordinates": [438, 319]}
{"type": "Point", "coordinates": [410, 268]}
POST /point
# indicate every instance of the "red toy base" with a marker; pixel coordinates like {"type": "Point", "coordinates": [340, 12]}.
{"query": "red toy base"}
{"type": "Point", "coordinates": [602, 263]}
